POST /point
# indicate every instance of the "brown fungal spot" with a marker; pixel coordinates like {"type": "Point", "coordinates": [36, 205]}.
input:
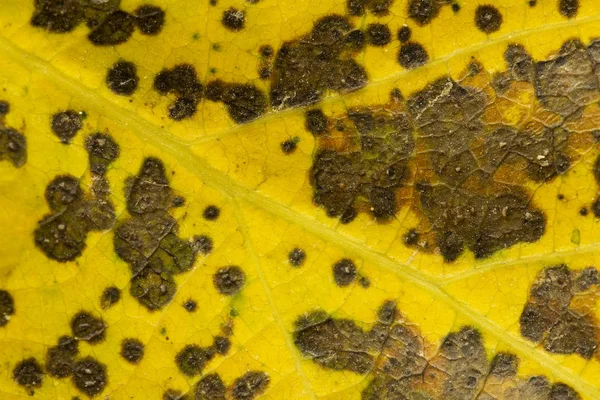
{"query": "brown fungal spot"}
{"type": "Point", "coordinates": [377, 7]}
{"type": "Point", "coordinates": [122, 78]}
{"type": "Point", "coordinates": [412, 55]}
{"type": "Point", "coordinates": [424, 11]}
{"type": "Point", "coordinates": [532, 3]}
{"type": "Point", "coordinates": [190, 305]}
{"type": "Point", "coordinates": [202, 244]}
{"type": "Point", "coordinates": [404, 34]}
{"type": "Point", "coordinates": [266, 51]}
{"type": "Point", "coordinates": [182, 81]}
{"type": "Point", "coordinates": [132, 350]}
{"type": "Point", "coordinates": [344, 272]}
{"type": "Point", "coordinates": [222, 344]}
{"type": "Point", "coordinates": [568, 8]}
{"type": "Point", "coordinates": [149, 19]}
{"type": "Point", "coordinates": [4, 108]}
{"type": "Point", "coordinates": [57, 16]}
{"type": "Point", "coordinates": [487, 18]}
{"type": "Point", "coordinates": [250, 385]}
{"type": "Point", "coordinates": [210, 387]}
{"type": "Point", "coordinates": [102, 151]}
{"type": "Point", "coordinates": [60, 359]}
{"type": "Point", "coordinates": [455, 7]}
{"type": "Point", "coordinates": [115, 29]}
{"type": "Point", "coordinates": [66, 124]}
{"type": "Point", "coordinates": [378, 35]}
{"type": "Point", "coordinates": [192, 359]}
{"type": "Point", "coordinates": [296, 257]}
{"type": "Point", "coordinates": [13, 146]}
{"type": "Point", "coordinates": [90, 376]}
{"type": "Point", "coordinates": [245, 102]}
{"type": "Point", "coordinates": [110, 296]}
{"type": "Point", "coordinates": [289, 146]}
{"type": "Point", "coordinates": [551, 319]}
{"type": "Point", "coordinates": [324, 58]}
{"type": "Point", "coordinates": [229, 280]}
{"type": "Point", "coordinates": [7, 307]}
{"type": "Point", "coordinates": [87, 327]}
{"type": "Point", "coordinates": [211, 213]}
{"type": "Point", "coordinates": [316, 122]}
{"type": "Point", "coordinates": [28, 373]}
{"type": "Point", "coordinates": [233, 19]}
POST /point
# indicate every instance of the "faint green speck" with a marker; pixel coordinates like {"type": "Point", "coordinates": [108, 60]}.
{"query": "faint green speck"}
{"type": "Point", "coordinates": [576, 236]}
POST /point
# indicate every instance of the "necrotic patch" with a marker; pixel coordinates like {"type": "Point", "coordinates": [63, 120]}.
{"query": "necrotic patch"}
{"type": "Point", "coordinates": [378, 35]}
{"type": "Point", "coordinates": [296, 257]}
{"type": "Point", "coordinates": [487, 18]}
{"type": "Point", "coordinates": [211, 213]}
{"type": "Point", "coordinates": [122, 78]}
{"type": "Point", "coordinates": [110, 296]}
{"type": "Point", "coordinates": [60, 359]}
{"type": "Point", "coordinates": [7, 307]}
{"type": "Point", "coordinates": [404, 34]}
{"type": "Point", "coordinates": [210, 387]}
{"type": "Point", "coordinates": [149, 19]}
{"type": "Point", "coordinates": [192, 359]}
{"type": "Point", "coordinates": [424, 11]}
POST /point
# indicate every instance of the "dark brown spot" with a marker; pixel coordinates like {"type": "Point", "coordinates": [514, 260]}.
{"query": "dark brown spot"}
{"type": "Point", "coordinates": [412, 55]}
{"type": "Point", "coordinates": [211, 213]}
{"type": "Point", "coordinates": [202, 244]}
{"type": "Point", "coordinates": [229, 280]}
{"type": "Point", "coordinates": [66, 124]}
{"type": "Point", "coordinates": [487, 18]}
{"type": "Point", "coordinates": [455, 7]}
{"type": "Point", "coordinates": [122, 78]}
{"type": "Point", "coordinates": [266, 51]}
{"type": "Point", "coordinates": [149, 19]}
{"type": "Point", "coordinates": [532, 3]}
{"type": "Point", "coordinates": [28, 373]}
{"type": "Point", "coordinates": [182, 81]}
{"type": "Point", "coordinates": [289, 146]}
{"type": "Point", "coordinates": [60, 359]}
{"type": "Point", "coordinates": [7, 307]}
{"type": "Point", "coordinates": [116, 28]}
{"type": "Point", "coordinates": [90, 376]}
{"type": "Point", "coordinates": [296, 257]}
{"type": "Point", "coordinates": [57, 16]}
{"type": "Point", "coordinates": [250, 385]}
{"type": "Point", "coordinates": [404, 34]}
{"type": "Point", "coordinates": [4, 107]}
{"type": "Point", "coordinates": [568, 8]}
{"type": "Point", "coordinates": [13, 146]}
{"type": "Point", "coordinates": [378, 35]}
{"type": "Point", "coordinates": [234, 19]}
{"type": "Point", "coordinates": [190, 305]}
{"type": "Point", "coordinates": [192, 359]}
{"type": "Point", "coordinates": [110, 296]}
{"type": "Point", "coordinates": [132, 350]}
{"type": "Point", "coordinates": [316, 122]}
{"type": "Point", "coordinates": [102, 151]}
{"type": "Point", "coordinates": [87, 327]}
{"type": "Point", "coordinates": [222, 345]}
{"type": "Point", "coordinates": [344, 272]}
{"type": "Point", "coordinates": [424, 11]}
{"type": "Point", "coordinates": [244, 102]}
{"type": "Point", "coordinates": [210, 387]}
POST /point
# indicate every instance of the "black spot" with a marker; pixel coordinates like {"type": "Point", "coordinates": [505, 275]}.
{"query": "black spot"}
{"type": "Point", "coordinates": [266, 51]}
{"type": "Point", "coordinates": [87, 327]}
{"type": "Point", "coordinates": [211, 213]}
{"type": "Point", "coordinates": [28, 373]}
{"type": "Point", "coordinates": [192, 359]}
{"type": "Point", "coordinates": [115, 29]}
{"type": "Point", "coordinates": [423, 11]}
{"type": "Point", "coordinates": [412, 55]}
{"type": "Point", "coordinates": [7, 307]}
{"type": "Point", "coordinates": [57, 16]}
{"type": "Point", "coordinates": [90, 376]}
{"type": "Point", "coordinates": [289, 146]}
{"type": "Point", "coordinates": [190, 305]}
{"type": "Point", "coordinates": [532, 3]}
{"type": "Point", "coordinates": [583, 211]}
{"type": "Point", "coordinates": [487, 18]}
{"type": "Point", "coordinates": [344, 272]}
{"type": "Point", "coordinates": [404, 34]}
{"type": "Point", "coordinates": [122, 78]}
{"type": "Point", "coordinates": [4, 107]}
{"type": "Point", "coordinates": [229, 280]}
{"type": "Point", "coordinates": [210, 387]}
{"type": "Point", "coordinates": [378, 35]}
{"type": "Point", "coordinates": [149, 19]}
{"type": "Point", "coordinates": [132, 350]}
{"type": "Point", "coordinates": [455, 7]}
{"type": "Point", "coordinates": [244, 102]}
{"type": "Point", "coordinates": [316, 122]}
{"type": "Point", "coordinates": [560, 391]}
{"type": "Point", "coordinates": [60, 359]}
{"type": "Point", "coordinates": [102, 151]}
{"type": "Point", "coordinates": [296, 257]}
{"type": "Point", "coordinates": [222, 345]}
{"type": "Point", "coordinates": [66, 124]}
{"type": "Point", "coordinates": [212, 2]}
{"type": "Point", "coordinates": [568, 8]}
{"type": "Point", "coordinates": [264, 73]}
{"type": "Point", "coordinates": [202, 244]}
{"type": "Point", "coordinates": [183, 82]}
{"type": "Point", "coordinates": [234, 19]}
{"type": "Point", "coordinates": [250, 385]}
{"type": "Point", "coordinates": [110, 296]}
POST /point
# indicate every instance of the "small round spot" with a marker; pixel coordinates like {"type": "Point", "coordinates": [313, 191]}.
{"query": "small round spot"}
{"type": "Point", "coordinates": [364, 282]}
{"type": "Point", "coordinates": [190, 305]}
{"type": "Point", "coordinates": [455, 7]}
{"type": "Point", "coordinates": [222, 344]}
{"type": "Point", "coordinates": [583, 212]}
{"type": "Point", "coordinates": [487, 18]}
{"type": "Point", "coordinates": [202, 244]}
{"type": "Point", "coordinates": [344, 272]}
{"type": "Point", "coordinates": [87, 327]}
{"type": "Point", "coordinates": [296, 257]}
{"type": "Point", "coordinates": [568, 8]}
{"type": "Point", "coordinates": [212, 2]}
{"type": "Point", "coordinates": [66, 124]}
{"type": "Point", "coordinates": [4, 107]}
{"type": "Point", "coordinates": [266, 50]}
{"type": "Point", "coordinates": [110, 297]}
{"type": "Point", "coordinates": [532, 3]}
{"type": "Point", "coordinates": [28, 373]}
{"type": "Point", "coordinates": [412, 55]}
{"type": "Point", "coordinates": [411, 238]}
{"type": "Point", "coordinates": [289, 146]}
{"type": "Point", "coordinates": [233, 19]}
{"type": "Point", "coordinates": [178, 201]}
{"type": "Point", "coordinates": [122, 78]}
{"type": "Point", "coordinates": [560, 196]}
{"type": "Point", "coordinates": [89, 376]}
{"type": "Point", "coordinates": [132, 350]}
{"type": "Point", "coordinates": [378, 35]}
{"type": "Point", "coordinates": [211, 213]}
{"type": "Point", "coordinates": [229, 280]}
{"type": "Point", "coordinates": [7, 307]}
{"type": "Point", "coordinates": [404, 34]}
{"type": "Point", "coordinates": [149, 19]}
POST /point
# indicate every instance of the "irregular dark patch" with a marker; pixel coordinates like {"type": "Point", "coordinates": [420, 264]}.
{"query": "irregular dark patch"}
{"type": "Point", "coordinates": [323, 58]}
{"type": "Point", "coordinates": [211, 213]}
{"type": "Point", "coordinates": [210, 387]}
{"type": "Point", "coordinates": [66, 124]}
{"type": "Point", "coordinates": [60, 359]}
{"type": "Point", "coordinates": [245, 102]}
{"type": "Point", "coordinates": [222, 345]}
{"type": "Point", "coordinates": [229, 280]}
{"type": "Point", "coordinates": [316, 122]}
{"type": "Point", "coordinates": [115, 29]}
{"type": "Point", "coordinates": [132, 350]}
{"type": "Point", "coordinates": [57, 16]}
{"type": "Point", "coordinates": [122, 78]}
{"type": "Point", "coordinates": [7, 307]}
{"type": "Point", "coordinates": [192, 359]}
{"type": "Point", "coordinates": [87, 327]}
{"type": "Point", "coordinates": [182, 81]}
{"type": "Point", "coordinates": [110, 297]}
{"type": "Point", "coordinates": [90, 376]}
{"type": "Point", "coordinates": [364, 282]}
{"type": "Point", "coordinates": [344, 272]}
{"type": "Point", "coordinates": [412, 55]}
{"type": "Point", "coordinates": [487, 18]}
{"type": "Point", "coordinates": [190, 305]}
{"type": "Point", "coordinates": [568, 8]}
{"type": "Point", "coordinates": [289, 146]}
{"type": "Point", "coordinates": [102, 151]}
{"type": "Point", "coordinates": [149, 19]}
{"type": "Point", "coordinates": [250, 385]}
{"type": "Point", "coordinates": [233, 19]}
{"type": "Point", "coordinates": [404, 34]}
{"type": "Point", "coordinates": [28, 373]}
{"type": "Point", "coordinates": [296, 257]}
{"type": "Point", "coordinates": [378, 35]}
{"type": "Point", "coordinates": [411, 238]}
{"type": "Point", "coordinates": [550, 319]}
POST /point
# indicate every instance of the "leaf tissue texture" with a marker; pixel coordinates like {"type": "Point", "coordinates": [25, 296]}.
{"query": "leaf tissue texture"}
{"type": "Point", "coordinates": [276, 199]}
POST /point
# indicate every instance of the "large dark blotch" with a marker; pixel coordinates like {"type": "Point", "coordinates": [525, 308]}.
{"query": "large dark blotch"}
{"type": "Point", "coordinates": [307, 67]}
{"type": "Point", "coordinates": [61, 235]}
{"type": "Point", "coordinates": [549, 317]}
{"type": "Point", "coordinates": [182, 81]}
{"type": "Point", "coordinates": [245, 102]}
{"type": "Point", "coordinates": [148, 240]}
{"type": "Point", "coordinates": [371, 172]}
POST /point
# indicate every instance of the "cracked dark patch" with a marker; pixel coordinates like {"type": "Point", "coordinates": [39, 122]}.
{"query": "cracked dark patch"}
{"type": "Point", "coordinates": [60, 359]}
{"type": "Point", "coordinates": [148, 240]}
{"type": "Point", "coordinates": [233, 19]}
{"type": "Point", "coordinates": [132, 350]}
{"type": "Point", "coordinates": [324, 58]}
{"type": "Point", "coordinates": [316, 122]}
{"type": "Point", "coordinates": [344, 272]}
{"type": "Point", "coordinates": [28, 373]}
{"type": "Point", "coordinates": [568, 8]}
{"type": "Point", "coordinates": [182, 81]}
{"type": "Point", "coordinates": [211, 213]}
{"type": "Point", "coordinates": [122, 78]}
{"type": "Point", "coordinates": [66, 124]}
{"type": "Point", "coordinates": [244, 102]}
{"type": "Point", "coordinates": [7, 307]}
{"type": "Point", "coordinates": [192, 359]}
{"type": "Point", "coordinates": [296, 257]}
{"type": "Point", "coordinates": [110, 296]}
{"type": "Point", "coordinates": [412, 55]}
{"type": "Point", "coordinates": [90, 376]}
{"type": "Point", "coordinates": [487, 18]}
{"type": "Point", "coordinates": [551, 317]}
{"type": "Point", "coordinates": [229, 280]}
{"type": "Point", "coordinates": [250, 385]}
